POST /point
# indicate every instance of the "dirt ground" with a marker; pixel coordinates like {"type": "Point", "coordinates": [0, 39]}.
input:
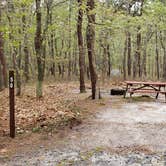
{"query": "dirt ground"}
{"type": "Point", "coordinates": [61, 108]}
{"type": "Point", "coordinates": [114, 131]}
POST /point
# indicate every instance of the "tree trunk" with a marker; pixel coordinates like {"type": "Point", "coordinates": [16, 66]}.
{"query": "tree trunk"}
{"type": "Point", "coordinates": [69, 42]}
{"type": "Point", "coordinates": [18, 71]}
{"type": "Point", "coordinates": [26, 66]}
{"type": "Point", "coordinates": [81, 47]}
{"type": "Point", "coordinates": [144, 60]}
{"type": "Point", "coordinates": [164, 65]}
{"type": "Point", "coordinates": [139, 51]}
{"type": "Point", "coordinates": [3, 61]}
{"type": "Point", "coordinates": [137, 57]}
{"type": "Point", "coordinates": [2, 58]}
{"type": "Point", "coordinates": [157, 57]}
{"type": "Point", "coordinates": [38, 49]}
{"type": "Point", "coordinates": [51, 40]}
{"type": "Point", "coordinates": [162, 41]}
{"type": "Point", "coordinates": [90, 35]}
{"type": "Point", "coordinates": [105, 60]}
{"type": "Point", "coordinates": [103, 51]}
{"type": "Point", "coordinates": [109, 60]}
{"type": "Point", "coordinates": [124, 57]}
{"type": "Point", "coordinates": [129, 53]}
{"type": "Point", "coordinates": [52, 55]}
{"type": "Point", "coordinates": [26, 51]}
{"type": "Point", "coordinates": [76, 58]}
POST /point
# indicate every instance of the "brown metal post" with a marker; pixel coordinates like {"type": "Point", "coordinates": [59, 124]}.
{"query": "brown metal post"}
{"type": "Point", "coordinates": [12, 103]}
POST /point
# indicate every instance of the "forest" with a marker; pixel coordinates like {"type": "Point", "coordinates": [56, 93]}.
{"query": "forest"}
{"type": "Point", "coordinates": [81, 39]}
{"type": "Point", "coordinates": [89, 82]}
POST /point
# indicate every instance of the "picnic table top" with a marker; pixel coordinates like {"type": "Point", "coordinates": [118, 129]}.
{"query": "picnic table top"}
{"type": "Point", "coordinates": [158, 83]}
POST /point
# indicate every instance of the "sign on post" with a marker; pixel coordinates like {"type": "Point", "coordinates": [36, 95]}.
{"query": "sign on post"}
{"type": "Point", "coordinates": [12, 103]}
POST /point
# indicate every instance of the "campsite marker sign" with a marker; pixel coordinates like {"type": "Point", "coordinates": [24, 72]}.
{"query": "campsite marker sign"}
{"type": "Point", "coordinates": [12, 103]}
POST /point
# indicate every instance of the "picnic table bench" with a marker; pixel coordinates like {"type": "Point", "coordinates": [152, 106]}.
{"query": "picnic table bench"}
{"type": "Point", "coordinates": [145, 87]}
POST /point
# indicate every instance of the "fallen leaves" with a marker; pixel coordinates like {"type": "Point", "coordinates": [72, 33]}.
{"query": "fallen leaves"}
{"type": "Point", "coordinates": [54, 107]}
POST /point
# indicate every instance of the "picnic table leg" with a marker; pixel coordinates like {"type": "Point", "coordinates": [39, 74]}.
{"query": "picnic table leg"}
{"type": "Point", "coordinates": [165, 94]}
{"type": "Point", "coordinates": [158, 92]}
{"type": "Point", "coordinates": [126, 91]}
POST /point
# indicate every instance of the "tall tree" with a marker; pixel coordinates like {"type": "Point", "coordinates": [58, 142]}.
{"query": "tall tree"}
{"type": "Point", "coordinates": [15, 49]}
{"type": "Point", "coordinates": [129, 53]}
{"type": "Point", "coordinates": [157, 55]}
{"type": "Point", "coordinates": [124, 58]}
{"type": "Point", "coordinates": [137, 56]}
{"type": "Point", "coordinates": [81, 46]}
{"type": "Point", "coordinates": [163, 45]}
{"type": "Point", "coordinates": [2, 56]}
{"type": "Point", "coordinates": [145, 44]}
{"type": "Point", "coordinates": [69, 41]}
{"type": "Point", "coordinates": [90, 36]}
{"type": "Point", "coordinates": [25, 42]}
{"type": "Point", "coordinates": [51, 43]}
{"type": "Point", "coordinates": [38, 49]}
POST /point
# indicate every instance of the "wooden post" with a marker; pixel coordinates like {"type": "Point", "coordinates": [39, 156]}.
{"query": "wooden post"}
{"type": "Point", "coordinates": [12, 103]}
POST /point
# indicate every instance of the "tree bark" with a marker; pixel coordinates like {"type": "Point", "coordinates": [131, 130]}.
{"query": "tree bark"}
{"type": "Point", "coordinates": [69, 41]}
{"type": "Point", "coordinates": [109, 60]}
{"type": "Point", "coordinates": [25, 49]}
{"type": "Point", "coordinates": [18, 71]}
{"type": "Point", "coordinates": [139, 51]}
{"type": "Point", "coordinates": [51, 40]}
{"type": "Point", "coordinates": [90, 35]}
{"type": "Point", "coordinates": [81, 47]}
{"type": "Point", "coordinates": [164, 65]}
{"type": "Point", "coordinates": [137, 57]}
{"type": "Point", "coordinates": [124, 58]}
{"type": "Point", "coordinates": [38, 49]}
{"type": "Point", "coordinates": [157, 57]}
{"type": "Point", "coordinates": [144, 60]}
{"type": "Point", "coordinates": [103, 45]}
{"type": "Point", "coordinates": [2, 58]}
{"type": "Point", "coordinates": [162, 41]}
{"type": "Point", "coordinates": [129, 53]}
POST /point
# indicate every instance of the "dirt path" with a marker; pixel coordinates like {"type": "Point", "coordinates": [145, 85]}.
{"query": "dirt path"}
{"type": "Point", "coordinates": [121, 133]}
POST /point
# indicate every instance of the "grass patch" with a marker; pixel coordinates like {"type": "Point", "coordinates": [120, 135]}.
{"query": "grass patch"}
{"type": "Point", "coordinates": [36, 129]}
{"type": "Point", "coordinates": [87, 155]}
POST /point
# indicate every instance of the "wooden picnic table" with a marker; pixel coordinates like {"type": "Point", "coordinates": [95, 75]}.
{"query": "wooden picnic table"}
{"type": "Point", "coordinates": [145, 87]}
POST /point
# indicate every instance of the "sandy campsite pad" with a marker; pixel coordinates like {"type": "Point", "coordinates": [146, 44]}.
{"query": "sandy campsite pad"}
{"type": "Point", "coordinates": [120, 133]}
